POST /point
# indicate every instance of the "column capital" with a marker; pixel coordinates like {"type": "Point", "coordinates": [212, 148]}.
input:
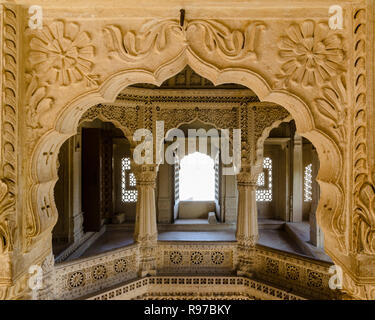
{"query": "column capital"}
{"type": "Point", "coordinates": [248, 175]}
{"type": "Point", "coordinates": [145, 173]}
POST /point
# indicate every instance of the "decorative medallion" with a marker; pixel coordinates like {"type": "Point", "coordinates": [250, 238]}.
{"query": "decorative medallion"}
{"type": "Point", "coordinates": [292, 272]}
{"type": "Point", "coordinates": [272, 266]}
{"type": "Point", "coordinates": [76, 279]}
{"type": "Point", "coordinates": [217, 257]}
{"type": "Point", "coordinates": [314, 279]}
{"type": "Point", "coordinates": [196, 257]}
{"type": "Point", "coordinates": [175, 257]}
{"type": "Point", "coordinates": [99, 272]}
{"type": "Point", "coordinates": [120, 265]}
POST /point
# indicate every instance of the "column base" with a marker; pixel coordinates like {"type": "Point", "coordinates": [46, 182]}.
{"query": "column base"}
{"type": "Point", "coordinates": [245, 274]}
{"type": "Point", "coordinates": [145, 273]}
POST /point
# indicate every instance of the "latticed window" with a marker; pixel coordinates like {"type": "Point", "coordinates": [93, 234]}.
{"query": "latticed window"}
{"type": "Point", "coordinates": [176, 179]}
{"type": "Point", "coordinates": [127, 180]}
{"type": "Point", "coordinates": [264, 192]}
{"type": "Point", "coordinates": [308, 183]}
{"type": "Point", "coordinates": [261, 180]}
{"type": "Point", "coordinates": [132, 180]}
{"type": "Point", "coordinates": [217, 178]}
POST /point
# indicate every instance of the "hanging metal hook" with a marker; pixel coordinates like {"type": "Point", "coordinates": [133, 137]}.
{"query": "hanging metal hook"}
{"type": "Point", "coordinates": [182, 17]}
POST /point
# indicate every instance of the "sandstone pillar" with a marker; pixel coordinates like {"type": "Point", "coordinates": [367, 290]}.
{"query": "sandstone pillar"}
{"type": "Point", "coordinates": [145, 224]}
{"type": "Point", "coordinates": [247, 223]}
{"type": "Point", "coordinates": [297, 180]}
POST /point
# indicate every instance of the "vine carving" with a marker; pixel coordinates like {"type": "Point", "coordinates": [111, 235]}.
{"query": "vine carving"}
{"type": "Point", "coordinates": [156, 36]}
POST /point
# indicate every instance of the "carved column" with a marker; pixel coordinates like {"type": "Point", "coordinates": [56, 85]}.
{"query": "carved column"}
{"type": "Point", "coordinates": [297, 179]}
{"type": "Point", "coordinates": [247, 233]}
{"type": "Point", "coordinates": [145, 224]}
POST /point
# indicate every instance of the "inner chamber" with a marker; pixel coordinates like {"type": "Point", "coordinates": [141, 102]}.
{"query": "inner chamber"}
{"type": "Point", "coordinates": [96, 193]}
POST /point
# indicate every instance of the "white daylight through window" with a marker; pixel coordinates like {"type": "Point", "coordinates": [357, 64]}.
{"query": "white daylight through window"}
{"type": "Point", "coordinates": [197, 178]}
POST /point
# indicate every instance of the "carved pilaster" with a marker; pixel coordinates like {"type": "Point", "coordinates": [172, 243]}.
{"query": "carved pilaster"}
{"type": "Point", "coordinates": [359, 282]}
{"type": "Point", "coordinates": [363, 176]}
{"type": "Point", "coordinates": [8, 145]}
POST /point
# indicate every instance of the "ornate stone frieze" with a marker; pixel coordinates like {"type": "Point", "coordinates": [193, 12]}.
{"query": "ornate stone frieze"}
{"type": "Point", "coordinates": [86, 276]}
{"type": "Point", "coordinates": [307, 277]}
{"type": "Point", "coordinates": [221, 118]}
{"type": "Point", "coordinates": [179, 287]}
{"type": "Point", "coordinates": [129, 115]}
{"type": "Point", "coordinates": [124, 117]}
{"type": "Point", "coordinates": [264, 117]}
{"type": "Point", "coordinates": [79, 278]}
{"type": "Point", "coordinates": [188, 98]}
{"type": "Point", "coordinates": [158, 35]}
{"type": "Point", "coordinates": [186, 258]}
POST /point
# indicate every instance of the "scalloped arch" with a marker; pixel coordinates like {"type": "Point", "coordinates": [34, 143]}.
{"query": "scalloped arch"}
{"type": "Point", "coordinates": [65, 124]}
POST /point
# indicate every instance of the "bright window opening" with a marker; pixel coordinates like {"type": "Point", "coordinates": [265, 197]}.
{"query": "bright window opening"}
{"type": "Point", "coordinates": [197, 178]}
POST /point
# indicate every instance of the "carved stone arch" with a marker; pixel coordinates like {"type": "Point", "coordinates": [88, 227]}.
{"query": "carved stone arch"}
{"type": "Point", "coordinates": [260, 141]}
{"type": "Point", "coordinates": [127, 133]}
{"type": "Point", "coordinates": [43, 174]}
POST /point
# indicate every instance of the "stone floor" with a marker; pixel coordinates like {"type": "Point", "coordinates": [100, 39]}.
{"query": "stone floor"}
{"type": "Point", "coordinates": [278, 239]}
{"type": "Point", "coordinates": [117, 237]}
{"type": "Point", "coordinates": [191, 221]}
{"type": "Point", "coordinates": [110, 240]}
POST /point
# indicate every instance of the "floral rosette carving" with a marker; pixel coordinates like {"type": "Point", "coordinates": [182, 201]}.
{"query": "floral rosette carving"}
{"type": "Point", "coordinates": [312, 55]}
{"type": "Point", "coordinates": [62, 54]}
